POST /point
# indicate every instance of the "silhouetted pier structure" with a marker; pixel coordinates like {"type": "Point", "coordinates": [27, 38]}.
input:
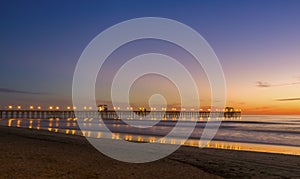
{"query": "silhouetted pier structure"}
{"type": "Point", "coordinates": [6, 114]}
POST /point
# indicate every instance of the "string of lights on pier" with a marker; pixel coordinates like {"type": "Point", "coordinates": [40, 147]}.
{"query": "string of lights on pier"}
{"type": "Point", "coordinates": [59, 108]}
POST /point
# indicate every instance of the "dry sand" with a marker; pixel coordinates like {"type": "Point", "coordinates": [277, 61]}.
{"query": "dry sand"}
{"type": "Point", "coordinates": [26, 153]}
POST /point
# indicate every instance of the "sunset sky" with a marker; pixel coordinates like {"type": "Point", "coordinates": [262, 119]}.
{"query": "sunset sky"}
{"type": "Point", "coordinates": [257, 43]}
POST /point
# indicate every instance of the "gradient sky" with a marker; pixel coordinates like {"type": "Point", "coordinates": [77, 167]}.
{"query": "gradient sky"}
{"type": "Point", "coordinates": [257, 43]}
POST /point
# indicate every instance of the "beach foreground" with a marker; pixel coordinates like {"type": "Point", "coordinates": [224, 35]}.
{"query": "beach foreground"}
{"type": "Point", "coordinates": [26, 153]}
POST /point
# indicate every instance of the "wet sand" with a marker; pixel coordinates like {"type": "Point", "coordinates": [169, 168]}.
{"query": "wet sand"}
{"type": "Point", "coordinates": [26, 153]}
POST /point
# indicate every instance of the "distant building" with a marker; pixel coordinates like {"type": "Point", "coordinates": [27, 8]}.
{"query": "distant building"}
{"type": "Point", "coordinates": [102, 107]}
{"type": "Point", "coordinates": [142, 109]}
{"type": "Point", "coordinates": [229, 109]}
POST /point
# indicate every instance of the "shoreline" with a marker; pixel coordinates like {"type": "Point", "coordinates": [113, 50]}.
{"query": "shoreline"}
{"type": "Point", "coordinates": [44, 154]}
{"type": "Point", "coordinates": [192, 142]}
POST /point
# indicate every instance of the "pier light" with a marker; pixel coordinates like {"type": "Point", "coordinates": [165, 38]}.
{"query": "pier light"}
{"type": "Point", "coordinates": [114, 108]}
{"type": "Point", "coordinates": [57, 107]}
{"type": "Point", "coordinates": [192, 109]}
{"type": "Point", "coordinates": [209, 109]}
{"type": "Point", "coordinates": [201, 109]}
{"type": "Point", "coordinates": [39, 107]}
{"type": "Point", "coordinates": [50, 107]}
{"type": "Point", "coordinates": [31, 107]}
{"type": "Point", "coordinates": [68, 107]}
{"type": "Point", "coordinates": [90, 108]}
{"type": "Point", "coordinates": [174, 109]}
{"type": "Point", "coordinates": [74, 107]}
{"type": "Point", "coordinates": [119, 108]}
{"type": "Point", "coordinates": [10, 107]}
{"type": "Point", "coordinates": [19, 107]}
{"type": "Point", "coordinates": [84, 107]}
{"type": "Point", "coordinates": [183, 109]}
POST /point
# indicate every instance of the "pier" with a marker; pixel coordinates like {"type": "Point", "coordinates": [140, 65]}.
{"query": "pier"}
{"type": "Point", "coordinates": [6, 114]}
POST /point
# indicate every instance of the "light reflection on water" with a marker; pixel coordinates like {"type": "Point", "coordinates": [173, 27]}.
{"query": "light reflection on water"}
{"type": "Point", "coordinates": [275, 134]}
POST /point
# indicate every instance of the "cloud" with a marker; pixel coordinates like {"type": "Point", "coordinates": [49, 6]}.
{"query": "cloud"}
{"type": "Point", "coordinates": [8, 90]}
{"type": "Point", "coordinates": [263, 84]}
{"type": "Point", "coordinates": [287, 84]}
{"type": "Point", "coordinates": [288, 99]}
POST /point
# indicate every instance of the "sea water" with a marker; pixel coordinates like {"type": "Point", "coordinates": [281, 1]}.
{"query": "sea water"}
{"type": "Point", "coordinates": [266, 133]}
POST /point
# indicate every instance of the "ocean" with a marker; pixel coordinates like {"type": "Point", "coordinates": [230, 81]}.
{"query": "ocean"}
{"type": "Point", "coordinates": [260, 133]}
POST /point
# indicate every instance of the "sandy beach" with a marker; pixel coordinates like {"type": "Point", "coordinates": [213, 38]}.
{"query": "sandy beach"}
{"type": "Point", "coordinates": [27, 153]}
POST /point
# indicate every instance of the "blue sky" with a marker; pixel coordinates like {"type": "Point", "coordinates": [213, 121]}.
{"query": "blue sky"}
{"type": "Point", "coordinates": [41, 42]}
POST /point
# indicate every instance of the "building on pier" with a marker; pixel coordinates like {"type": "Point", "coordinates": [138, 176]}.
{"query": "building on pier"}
{"type": "Point", "coordinates": [102, 107]}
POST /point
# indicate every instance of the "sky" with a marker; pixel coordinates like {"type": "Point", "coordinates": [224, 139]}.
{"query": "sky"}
{"type": "Point", "coordinates": [256, 42]}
